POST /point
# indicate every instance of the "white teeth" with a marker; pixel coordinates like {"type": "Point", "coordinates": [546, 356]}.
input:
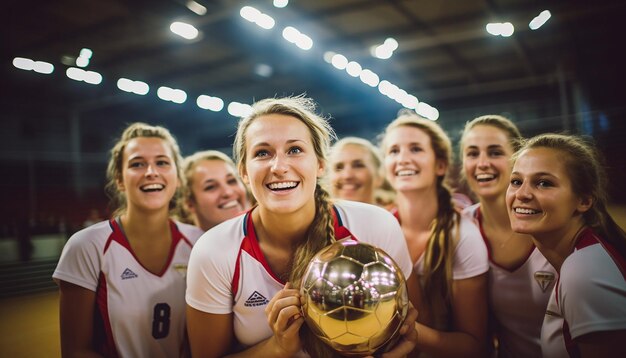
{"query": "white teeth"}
{"type": "Point", "coordinates": [283, 185]}
{"type": "Point", "coordinates": [348, 187]}
{"type": "Point", "coordinates": [405, 172]}
{"type": "Point", "coordinates": [230, 204]}
{"type": "Point", "coordinates": [150, 187]}
{"type": "Point", "coordinates": [485, 177]}
{"type": "Point", "coordinates": [526, 211]}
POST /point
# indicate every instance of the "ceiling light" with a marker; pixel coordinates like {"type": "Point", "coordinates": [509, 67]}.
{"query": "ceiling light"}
{"type": "Point", "coordinates": [539, 20]}
{"type": "Point", "coordinates": [184, 30]}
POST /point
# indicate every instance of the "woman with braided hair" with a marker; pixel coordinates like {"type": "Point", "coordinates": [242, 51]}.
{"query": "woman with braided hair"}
{"type": "Point", "coordinates": [243, 277]}
{"type": "Point", "coordinates": [449, 256]}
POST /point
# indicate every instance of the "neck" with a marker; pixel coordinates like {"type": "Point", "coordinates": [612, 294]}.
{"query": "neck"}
{"type": "Point", "coordinates": [145, 225]}
{"type": "Point", "coordinates": [557, 245]}
{"type": "Point", "coordinates": [417, 209]}
{"type": "Point", "coordinates": [281, 229]}
{"type": "Point", "coordinates": [494, 212]}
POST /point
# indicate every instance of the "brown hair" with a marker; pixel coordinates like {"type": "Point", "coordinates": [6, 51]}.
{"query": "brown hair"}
{"type": "Point", "coordinates": [586, 170]}
{"type": "Point", "coordinates": [321, 232]}
{"type": "Point", "coordinates": [439, 252]}
{"type": "Point", "coordinates": [114, 168]}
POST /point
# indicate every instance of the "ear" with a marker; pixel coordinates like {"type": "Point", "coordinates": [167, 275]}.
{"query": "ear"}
{"type": "Point", "coordinates": [120, 184]}
{"type": "Point", "coordinates": [321, 168]}
{"type": "Point", "coordinates": [584, 204]}
{"type": "Point", "coordinates": [440, 168]}
{"type": "Point", "coordinates": [190, 206]}
{"type": "Point", "coordinates": [243, 174]}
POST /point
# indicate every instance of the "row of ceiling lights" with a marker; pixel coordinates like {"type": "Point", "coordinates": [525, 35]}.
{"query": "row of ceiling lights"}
{"type": "Point", "coordinates": [292, 35]}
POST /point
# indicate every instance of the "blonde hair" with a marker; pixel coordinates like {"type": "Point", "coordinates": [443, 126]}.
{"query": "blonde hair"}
{"type": "Point", "coordinates": [115, 166]}
{"type": "Point", "coordinates": [321, 231]}
{"type": "Point", "coordinates": [439, 252]}
{"type": "Point", "coordinates": [586, 171]}
{"type": "Point", "coordinates": [189, 165]}
{"type": "Point", "coordinates": [382, 194]}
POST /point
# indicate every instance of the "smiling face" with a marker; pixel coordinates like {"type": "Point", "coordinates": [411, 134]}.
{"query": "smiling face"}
{"type": "Point", "coordinates": [410, 161]}
{"type": "Point", "coordinates": [540, 198]}
{"type": "Point", "coordinates": [281, 166]}
{"type": "Point", "coordinates": [217, 193]}
{"type": "Point", "coordinates": [486, 161]}
{"type": "Point", "coordinates": [149, 177]}
{"type": "Point", "coordinates": [353, 174]}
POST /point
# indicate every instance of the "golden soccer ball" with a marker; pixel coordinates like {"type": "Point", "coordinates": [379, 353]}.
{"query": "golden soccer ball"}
{"type": "Point", "coordinates": [355, 297]}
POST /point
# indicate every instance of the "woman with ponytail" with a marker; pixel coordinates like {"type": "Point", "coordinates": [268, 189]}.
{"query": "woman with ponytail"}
{"type": "Point", "coordinates": [446, 249]}
{"type": "Point", "coordinates": [244, 274]}
{"type": "Point", "coordinates": [557, 195]}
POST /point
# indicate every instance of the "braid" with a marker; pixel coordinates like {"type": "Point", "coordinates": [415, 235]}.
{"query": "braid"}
{"type": "Point", "coordinates": [439, 253]}
{"type": "Point", "coordinates": [321, 233]}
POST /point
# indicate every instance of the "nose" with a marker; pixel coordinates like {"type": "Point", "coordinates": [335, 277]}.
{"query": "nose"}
{"type": "Point", "coordinates": [483, 161]}
{"type": "Point", "coordinates": [151, 170]}
{"type": "Point", "coordinates": [403, 156]}
{"type": "Point", "coordinates": [227, 191]}
{"type": "Point", "coordinates": [279, 164]}
{"type": "Point", "coordinates": [524, 192]}
{"type": "Point", "coordinates": [347, 172]}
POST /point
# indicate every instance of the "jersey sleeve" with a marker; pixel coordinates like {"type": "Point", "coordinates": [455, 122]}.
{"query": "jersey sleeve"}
{"type": "Point", "coordinates": [592, 292]}
{"type": "Point", "coordinates": [81, 259]}
{"type": "Point", "coordinates": [378, 227]}
{"type": "Point", "coordinates": [470, 254]}
{"type": "Point", "coordinates": [210, 272]}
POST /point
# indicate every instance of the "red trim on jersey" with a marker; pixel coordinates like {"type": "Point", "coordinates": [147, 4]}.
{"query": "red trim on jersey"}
{"type": "Point", "coordinates": [250, 244]}
{"type": "Point", "coordinates": [588, 237]}
{"type": "Point", "coordinates": [394, 211]}
{"type": "Point", "coordinates": [479, 219]}
{"type": "Point", "coordinates": [570, 345]}
{"type": "Point", "coordinates": [119, 237]}
{"type": "Point", "coordinates": [105, 344]}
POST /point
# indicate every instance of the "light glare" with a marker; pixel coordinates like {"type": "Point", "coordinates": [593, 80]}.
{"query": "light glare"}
{"type": "Point", "coordinates": [540, 20]}
{"type": "Point", "coordinates": [184, 30]}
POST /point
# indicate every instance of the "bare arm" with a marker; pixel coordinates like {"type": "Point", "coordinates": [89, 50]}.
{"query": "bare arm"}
{"type": "Point", "coordinates": [469, 335]}
{"type": "Point", "coordinates": [76, 312]}
{"type": "Point", "coordinates": [602, 344]}
{"type": "Point", "coordinates": [212, 335]}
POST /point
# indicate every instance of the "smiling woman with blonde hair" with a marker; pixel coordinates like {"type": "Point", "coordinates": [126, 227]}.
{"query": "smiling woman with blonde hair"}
{"type": "Point", "coordinates": [244, 274]}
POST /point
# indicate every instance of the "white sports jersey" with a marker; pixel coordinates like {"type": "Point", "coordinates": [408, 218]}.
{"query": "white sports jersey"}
{"type": "Point", "coordinates": [589, 296]}
{"type": "Point", "coordinates": [228, 272]}
{"type": "Point", "coordinates": [518, 299]}
{"type": "Point", "coordinates": [139, 313]}
{"type": "Point", "coordinates": [470, 260]}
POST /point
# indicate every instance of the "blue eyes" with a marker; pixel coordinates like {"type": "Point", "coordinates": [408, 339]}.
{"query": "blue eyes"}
{"type": "Point", "coordinates": [264, 153]}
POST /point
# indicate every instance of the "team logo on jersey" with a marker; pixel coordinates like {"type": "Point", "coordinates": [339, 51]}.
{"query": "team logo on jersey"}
{"type": "Point", "coordinates": [256, 299]}
{"type": "Point", "coordinates": [181, 269]}
{"type": "Point", "coordinates": [128, 273]}
{"type": "Point", "coordinates": [544, 279]}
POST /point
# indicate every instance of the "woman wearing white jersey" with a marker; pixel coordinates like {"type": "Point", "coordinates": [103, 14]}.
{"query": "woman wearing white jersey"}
{"type": "Point", "coordinates": [445, 248]}
{"type": "Point", "coordinates": [244, 274]}
{"type": "Point", "coordinates": [122, 281]}
{"type": "Point", "coordinates": [520, 277]}
{"type": "Point", "coordinates": [557, 194]}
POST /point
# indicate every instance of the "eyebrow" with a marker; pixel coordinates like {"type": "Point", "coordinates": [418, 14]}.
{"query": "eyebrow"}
{"type": "Point", "coordinates": [538, 174]}
{"type": "Point", "coordinates": [289, 141]}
